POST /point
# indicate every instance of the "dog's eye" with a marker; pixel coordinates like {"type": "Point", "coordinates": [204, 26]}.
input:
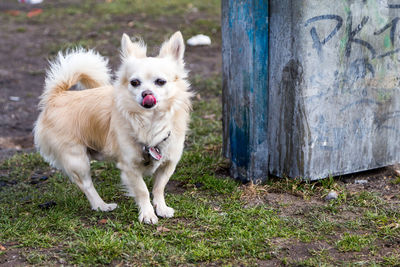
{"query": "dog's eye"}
{"type": "Point", "coordinates": [160, 82]}
{"type": "Point", "coordinates": [135, 83]}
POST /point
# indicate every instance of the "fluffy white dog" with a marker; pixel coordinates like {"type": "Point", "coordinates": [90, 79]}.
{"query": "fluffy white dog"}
{"type": "Point", "coordinates": [140, 121]}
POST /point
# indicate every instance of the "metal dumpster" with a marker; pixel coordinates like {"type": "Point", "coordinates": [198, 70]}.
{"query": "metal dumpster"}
{"type": "Point", "coordinates": [330, 90]}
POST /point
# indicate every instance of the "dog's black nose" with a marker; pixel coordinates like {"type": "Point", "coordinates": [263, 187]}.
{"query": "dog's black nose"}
{"type": "Point", "coordinates": [146, 93]}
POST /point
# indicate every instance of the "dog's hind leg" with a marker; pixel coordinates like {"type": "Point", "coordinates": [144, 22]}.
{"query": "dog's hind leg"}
{"type": "Point", "coordinates": [161, 179]}
{"type": "Point", "coordinates": [77, 166]}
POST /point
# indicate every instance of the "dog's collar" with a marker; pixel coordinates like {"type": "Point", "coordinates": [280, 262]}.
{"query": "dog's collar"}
{"type": "Point", "coordinates": [153, 152]}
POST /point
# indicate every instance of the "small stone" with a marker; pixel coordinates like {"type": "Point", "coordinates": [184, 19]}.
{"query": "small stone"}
{"type": "Point", "coordinates": [361, 181]}
{"type": "Point", "coordinates": [43, 178]}
{"type": "Point", "coordinates": [331, 195]}
{"type": "Point", "coordinates": [198, 185]}
{"type": "Point", "coordinates": [92, 34]}
{"type": "Point", "coordinates": [26, 199]}
{"type": "Point", "coordinates": [34, 181]}
{"type": "Point", "coordinates": [4, 73]}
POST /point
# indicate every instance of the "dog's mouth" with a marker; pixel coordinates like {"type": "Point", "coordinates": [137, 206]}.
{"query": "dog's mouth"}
{"type": "Point", "coordinates": [149, 101]}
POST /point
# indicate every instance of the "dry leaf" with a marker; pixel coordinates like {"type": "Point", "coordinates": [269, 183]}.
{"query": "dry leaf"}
{"type": "Point", "coordinates": [34, 12]}
{"type": "Point", "coordinates": [391, 226]}
{"type": "Point", "coordinates": [13, 12]}
{"type": "Point", "coordinates": [210, 116]}
{"type": "Point", "coordinates": [389, 197]}
{"type": "Point", "coordinates": [2, 248]}
{"type": "Point", "coordinates": [103, 221]}
{"type": "Point", "coordinates": [394, 225]}
{"type": "Point", "coordinates": [162, 229]}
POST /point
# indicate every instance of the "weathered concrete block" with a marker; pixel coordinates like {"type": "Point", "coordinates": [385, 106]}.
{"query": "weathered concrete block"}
{"type": "Point", "coordinates": [334, 95]}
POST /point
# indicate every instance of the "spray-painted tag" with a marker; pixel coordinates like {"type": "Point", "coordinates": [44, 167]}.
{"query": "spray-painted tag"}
{"type": "Point", "coordinates": [155, 153]}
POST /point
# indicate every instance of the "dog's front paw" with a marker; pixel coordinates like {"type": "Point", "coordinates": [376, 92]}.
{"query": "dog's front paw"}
{"type": "Point", "coordinates": [148, 217]}
{"type": "Point", "coordinates": [105, 207]}
{"type": "Point", "coordinates": [164, 211]}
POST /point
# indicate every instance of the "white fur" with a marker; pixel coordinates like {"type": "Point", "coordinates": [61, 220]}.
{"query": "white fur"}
{"type": "Point", "coordinates": [65, 67]}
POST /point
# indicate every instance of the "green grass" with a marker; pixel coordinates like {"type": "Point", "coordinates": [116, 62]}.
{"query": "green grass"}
{"type": "Point", "coordinates": [392, 259]}
{"type": "Point", "coordinates": [212, 224]}
{"type": "Point", "coordinates": [353, 242]}
{"type": "Point", "coordinates": [397, 180]}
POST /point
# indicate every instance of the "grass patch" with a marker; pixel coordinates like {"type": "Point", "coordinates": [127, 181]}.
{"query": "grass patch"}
{"type": "Point", "coordinates": [366, 199]}
{"type": "Point", "coordinates": [396, 181]}
{"type": "Point", "coordinates": [207, 87]}
{"type": "Point", "coordinates": [212, 225]}
{"type": "Point", "coordinates": [392, 260]}
{"type": "Point", "coordinates": [353, 242]}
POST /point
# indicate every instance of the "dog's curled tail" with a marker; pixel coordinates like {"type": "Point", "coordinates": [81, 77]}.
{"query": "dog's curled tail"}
{"type": "Point", "coordinates": [84, 66]}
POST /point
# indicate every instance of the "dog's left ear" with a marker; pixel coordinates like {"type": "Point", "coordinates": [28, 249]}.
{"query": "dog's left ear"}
{"type": "Point", "coordinates": [174, 47]}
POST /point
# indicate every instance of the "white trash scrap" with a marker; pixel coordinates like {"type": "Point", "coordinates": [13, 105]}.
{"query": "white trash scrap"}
{"type": "Point", "coordinates": [199, 39]}
{"type": "Point", "coordinates": [32, 2]}
{"type": "Point", "coordinates": [14, 98]}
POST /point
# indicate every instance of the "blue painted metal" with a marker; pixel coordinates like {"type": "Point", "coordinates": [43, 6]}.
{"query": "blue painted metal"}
{"type": "Point", "coordinates": [245, 87]}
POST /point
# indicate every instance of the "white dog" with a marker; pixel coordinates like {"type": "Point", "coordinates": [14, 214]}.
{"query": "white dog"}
{"type": "Point", "coordinates": [140, 120]}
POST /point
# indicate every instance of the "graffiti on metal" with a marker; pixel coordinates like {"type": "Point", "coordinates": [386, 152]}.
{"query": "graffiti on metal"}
{"type": "Point", "coordinates": [366, 75]}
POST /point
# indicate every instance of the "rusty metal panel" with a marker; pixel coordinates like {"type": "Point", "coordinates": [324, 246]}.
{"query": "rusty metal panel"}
{"type": "Point", "coordinates": [333, 86]}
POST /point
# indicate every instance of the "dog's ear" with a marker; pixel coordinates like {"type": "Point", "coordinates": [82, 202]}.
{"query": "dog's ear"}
{"type": "Point", "coordinates": [174, 47]}
{"type": "Point", "coordinates": [136, 49]}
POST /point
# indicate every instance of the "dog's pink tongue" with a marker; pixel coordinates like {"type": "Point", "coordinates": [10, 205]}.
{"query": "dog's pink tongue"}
{"type": "Point", "coordinates": [149, 101]}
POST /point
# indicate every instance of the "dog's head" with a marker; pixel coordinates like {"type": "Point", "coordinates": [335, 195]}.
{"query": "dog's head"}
{"type": "Point", "coordinates": [152, 82]}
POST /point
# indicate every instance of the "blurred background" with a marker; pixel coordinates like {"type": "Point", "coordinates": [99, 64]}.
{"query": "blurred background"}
{"type": "Point", "coordinates": [31, 34]}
